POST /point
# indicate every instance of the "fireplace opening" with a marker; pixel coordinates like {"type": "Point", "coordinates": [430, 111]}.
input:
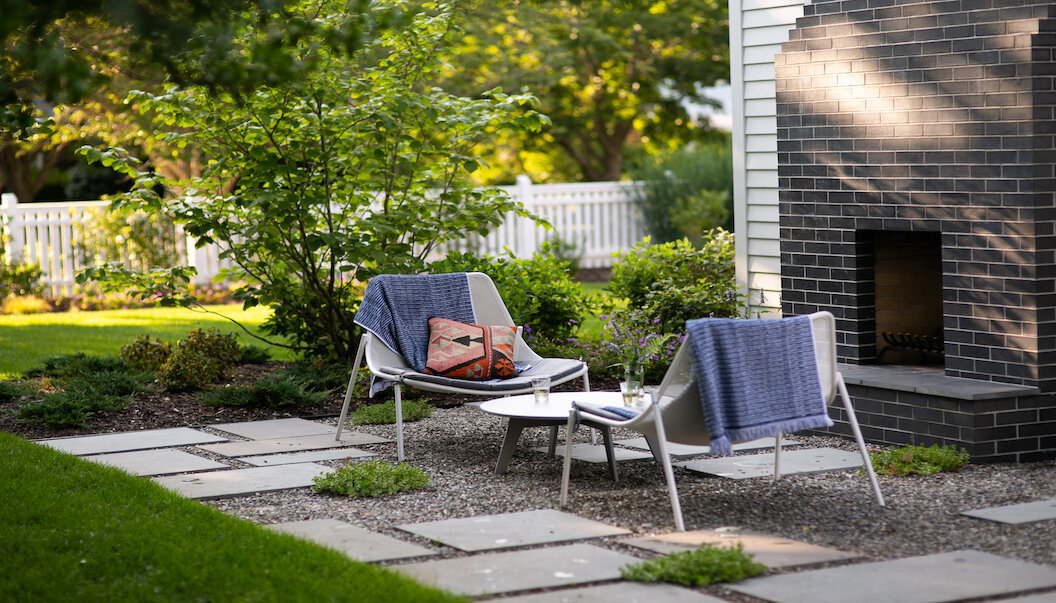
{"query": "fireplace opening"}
{"type": "Point", "coordinates": [908, 297]}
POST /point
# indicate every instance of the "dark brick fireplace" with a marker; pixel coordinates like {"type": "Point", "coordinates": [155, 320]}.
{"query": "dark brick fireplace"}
{"type": "Point", "coordinates": [918, 196]}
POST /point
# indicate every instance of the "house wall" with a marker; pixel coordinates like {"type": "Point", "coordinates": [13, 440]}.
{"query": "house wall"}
{"type": "Point", "coordinates": [757, 29]}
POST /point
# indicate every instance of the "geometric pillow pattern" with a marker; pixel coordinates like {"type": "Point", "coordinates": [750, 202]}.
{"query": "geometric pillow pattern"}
{"type": "Point", "coordinates": [466, 351]}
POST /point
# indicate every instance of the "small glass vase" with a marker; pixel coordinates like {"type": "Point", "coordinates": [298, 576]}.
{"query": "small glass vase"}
{"type": "Point", "coordinates": [634, 377]}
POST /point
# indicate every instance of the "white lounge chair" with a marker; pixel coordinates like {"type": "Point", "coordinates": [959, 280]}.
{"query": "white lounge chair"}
{"type": "Point", "coordinates": [676, 415]}
{"type": "Point", "coordinates": [490, 310]}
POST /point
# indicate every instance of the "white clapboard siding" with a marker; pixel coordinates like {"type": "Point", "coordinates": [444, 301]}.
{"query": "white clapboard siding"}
{"type": "Point", "coordinates": [757, 29]}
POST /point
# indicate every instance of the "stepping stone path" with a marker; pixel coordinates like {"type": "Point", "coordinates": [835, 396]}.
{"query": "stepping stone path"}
{"type": "Point", "coordinates": [682, 450]}
{"type": "Point", "coordinates": [595, 453]}
{"type": "Point", "coordinates": [544, 558]}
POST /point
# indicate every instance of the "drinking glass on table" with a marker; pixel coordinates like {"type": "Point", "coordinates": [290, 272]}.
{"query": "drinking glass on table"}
{"type": "Point", "coordinates": [631, 391]}
{"type": "Point", "coordinates": [541, 389]}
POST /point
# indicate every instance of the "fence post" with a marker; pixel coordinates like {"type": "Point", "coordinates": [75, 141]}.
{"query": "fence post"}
{"type": "Point", "coordinates": [525, 227]}
{"type": "Point", "coordinates": [14, 242]}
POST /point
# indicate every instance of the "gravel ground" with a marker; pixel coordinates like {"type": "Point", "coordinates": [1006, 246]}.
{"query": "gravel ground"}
{"type": "Point", "coordinates": [457, 448]}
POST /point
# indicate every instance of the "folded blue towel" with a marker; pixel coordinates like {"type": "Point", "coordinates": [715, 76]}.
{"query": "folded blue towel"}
{"type": "Point", "coordinates": [757, 378]}
{"type": "Point", "coordinates": [396, 309]}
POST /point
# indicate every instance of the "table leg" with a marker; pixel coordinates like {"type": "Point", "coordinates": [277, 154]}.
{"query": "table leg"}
{"type": "Point", "coordinates": [509, 443]}
{"type": "Point", "coordinates": [553, 443]}
{"type": "Point", "coordinates": [610, 453]}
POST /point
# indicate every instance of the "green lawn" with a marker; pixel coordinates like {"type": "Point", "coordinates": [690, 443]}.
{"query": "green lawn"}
{"type": "Point", "coordinates": [77, 531]}
{"type": "Point", "coordinates": [25, 340]}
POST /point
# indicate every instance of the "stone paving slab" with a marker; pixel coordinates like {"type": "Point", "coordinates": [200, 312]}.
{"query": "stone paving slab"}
{"type": "Point", "coordinates": [1042, 510]}
{"type": "Point", "coordinates": [622, 592]}
{"type": "Point", "coordinates": [161, 461]}
{"type": "Point", "coordinates": [595, 453]}
{"type": "Point", "coordinates": [940, 578]}
{"type": "Point", "coordinates": [680, 450]}
{"type": "Point", "coordinates": [310, 456]}
{"type": "Point", "coordinates": [771, 551]}
{"type": "Point", "coordinates": [515, 571]}
{"type": "Point", "coordinates": [357, 543]}
{"type": "Point", "coordinates": [236, 482]}
{"type": "Point", "coordinates": [302, 443]}
{"type": "Point", "coordinates": [131, 440]}
{"type": "Point", "coordinates": [505, 530]}
{"type": "Point", "coordinates": [274, 429]}
{"type": "Point", "coordinates": [813, 460]}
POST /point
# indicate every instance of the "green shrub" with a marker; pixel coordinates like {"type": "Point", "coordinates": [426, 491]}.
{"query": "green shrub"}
{"type": "Point", "coordinates": [319, 375]}
{"type": "Point", "coordinates": [25, 304]}
{"type": "Point", "coordinates": [277, 391]}
{"type": "Point", "coordinates": [253, 354]}
{"type": "Point", "coordinates": [146, 353]}
{"type": "Point", "coordinates": [686, 193]}
{"type": "Point", "coordinates": [371, 478]}
{"type": "Point", "coordinates": [81, 397]}
{"type": "Point", "coordinates": [222, 348]}
{"type": "Point", "coordinates": [385, 412]}
{"type": "Point", "coordinates": [187, 369]}
{"type": "Point", "coordinates": [11, 390]}
{"type": "Point", "coordinates": [538, 292]}
{"type": "Point", "coordinates": [700, 567]}
{"type": "Point", "coordinates": [72, 365]}
{"type": "Point", "coordinates": [19, 279]}
{"type": "Point", "coordinates": [919, 460]}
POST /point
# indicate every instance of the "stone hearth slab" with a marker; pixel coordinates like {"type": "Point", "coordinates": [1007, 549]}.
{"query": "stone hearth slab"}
{"type": "Point", "coordinates": [131, 440]}
{"type": "Point", "coordinates": [507, 530]}
{"type": "Point", "coordinates": [813, 460]}
{"type": "Point", "coordinates": [275, 429]}
{"type": "Point", "coordinates": [278, 446]}
{"type": "Point", "coordinates": [624, 592]}
{"type": "Point", "coordinates": [680, 450]}
{"type": "Point", "coordinates": [156, 462]}
{"type": "Point", "coordinates": [1042, 510]}
{"type": "Point", "coordinates": [938, 578]}
{"type": "Point", "coordinates": [236, 482]}
{"type": "Point", "coordinates": [310, 456]}
{"type": "Point", "coordinates": [595, 453]}
{"type": "Point", "coordinates": [771, 551]}
{"type": "Point", "coordinates": [515, 571]}
{"type": "Point", "coordinates": [357, 543]}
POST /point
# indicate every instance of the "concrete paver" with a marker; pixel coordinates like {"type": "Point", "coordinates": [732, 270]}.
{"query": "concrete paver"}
{"type": "Point", "coordinates": [234, 482]}
{"type": "Point", "coordinates": [813, 460]}
{"type": "Point", "coordinates": [295, 444]}
{"type": "Point", "coordinates": [506, 530]}
{"type": "Point", "coordinates": [515, 571]}
{"type": "Point", "coordinates": [1042, 510]}
{"type": "Point", "coordinates": [310, 456]}
{"type": "Point", "coordinates": [273, 429]}
{"type": "Point", "coordinates": [623, 592]}
{"type": "Point", "coordinates": [682, 450]}
{"type": "Point", "coordinates": [156, 462]}
{"type": "Point", "coordinates": [929, 579]}
{"type": "Point", "coordinates": [357, 543]}
{"type": "Point", "coordinates": [595, 453]}
{"type": "Point", "coordinates": [771, 551]}
{"type": "Point", "coordinates": [131, 440]}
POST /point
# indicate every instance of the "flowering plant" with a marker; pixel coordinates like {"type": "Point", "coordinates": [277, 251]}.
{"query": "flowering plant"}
{"type": "Point", "coordinates": [637, 344]}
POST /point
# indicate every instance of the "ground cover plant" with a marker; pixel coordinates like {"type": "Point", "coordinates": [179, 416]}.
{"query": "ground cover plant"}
{"type": "Point", "coordinates": [699, 567]}
{"type": "Point", "coordinates": [918, 460]}
{"type": "Point", "coordinates": [371, 478]}
{"type": "Point", "coordinates": [385, 412]}
{"type": "Point", "coordinates": [116, 537]}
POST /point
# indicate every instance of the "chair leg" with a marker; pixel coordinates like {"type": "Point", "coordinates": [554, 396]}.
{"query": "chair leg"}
{"type": "Point", "coordinates": [593, 432]}
{"type": "Point", "coordinates": [669, 474]}
{"type": "Point", "coordinates": [853, 420]}
{"type": "Point", "coordinates": [399, 424]}
{"type": "Point", "coordinates": [351, 388]}
{"type": "Point", "coordinates": [777, 456]}
{"type": "Point", "coordinates": [567, 468]}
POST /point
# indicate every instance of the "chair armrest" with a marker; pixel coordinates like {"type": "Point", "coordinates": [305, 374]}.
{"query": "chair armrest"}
{"type": "Point", "coordinates": [607, 412]}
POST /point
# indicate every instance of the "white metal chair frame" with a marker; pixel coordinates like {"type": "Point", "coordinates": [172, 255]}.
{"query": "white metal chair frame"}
{"type": "Point", "coordinates": [675, 414]}
{"type": "Point", "coordinates": [490, 310]}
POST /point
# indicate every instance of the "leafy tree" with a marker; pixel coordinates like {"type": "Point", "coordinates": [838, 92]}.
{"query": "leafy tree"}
{"type": "Point", "coordinates": [611, 74]}
{"type": "Point", "coordinates": [357, 167]}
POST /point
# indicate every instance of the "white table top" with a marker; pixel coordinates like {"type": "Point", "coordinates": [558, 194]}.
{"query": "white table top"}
{"type": "Point", "coordinates": [524, 406]}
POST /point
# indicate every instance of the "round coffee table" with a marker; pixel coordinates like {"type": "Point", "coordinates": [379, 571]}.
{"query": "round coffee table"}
{"type": "Point", "coordinates": [523, 411]}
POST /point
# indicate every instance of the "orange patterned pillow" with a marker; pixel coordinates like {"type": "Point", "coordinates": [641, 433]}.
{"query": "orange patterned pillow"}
{"type": "Point", "coordinates": [464, 351]}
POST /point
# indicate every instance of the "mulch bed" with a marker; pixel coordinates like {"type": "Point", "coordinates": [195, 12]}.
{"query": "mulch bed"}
{"type": "Point", "coordinates": [158, 410]}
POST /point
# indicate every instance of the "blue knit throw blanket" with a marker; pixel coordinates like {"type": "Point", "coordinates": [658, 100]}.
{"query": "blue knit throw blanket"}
{"type": "Point", "coordinates": [396, 308]}
{"type": "Point", "coordinates": [757, 378]}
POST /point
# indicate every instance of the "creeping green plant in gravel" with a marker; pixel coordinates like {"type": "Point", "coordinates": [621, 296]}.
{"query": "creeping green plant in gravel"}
{"type": "Point", "coordinates": [371, 478]}
{"type": "Point", "coordinates": [919, 460]}
{"type": "Point", "coordinates": [385, 413]}
{"type": "Point", "coordinates": [700, 567]}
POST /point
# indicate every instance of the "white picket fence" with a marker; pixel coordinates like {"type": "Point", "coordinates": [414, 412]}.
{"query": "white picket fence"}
{"type": "Point", "coordinates": [599, 218]}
